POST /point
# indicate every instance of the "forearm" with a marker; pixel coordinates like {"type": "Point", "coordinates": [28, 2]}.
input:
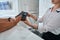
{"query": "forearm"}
{"type": "Point", "coordinates": [28, 23]}
{"type": "Point", "coordinates": [35, 26]}
{"type": "Point", "coordinates": [5, 25]}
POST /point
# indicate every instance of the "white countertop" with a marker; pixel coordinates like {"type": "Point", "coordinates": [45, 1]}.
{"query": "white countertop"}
{"type": "Point", "coordinates": [19, 33]}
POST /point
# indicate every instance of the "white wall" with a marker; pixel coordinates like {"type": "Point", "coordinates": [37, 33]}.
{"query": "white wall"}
{"type": "Point", "coordinates": [43, 6]}
{"type": "Point", "coordinates": [29, 5]}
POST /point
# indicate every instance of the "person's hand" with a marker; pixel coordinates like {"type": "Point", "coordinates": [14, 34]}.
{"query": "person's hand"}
{"type": "Point", "coordinates": [24, 15]}
{"type": "Point", "coordinates": [35, 26]}
{"type": "Point", "coordinates": [29, 15]}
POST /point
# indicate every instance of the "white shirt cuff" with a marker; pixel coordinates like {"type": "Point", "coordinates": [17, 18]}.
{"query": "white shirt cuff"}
{"type": "Point", "coordinates": [41, 28]}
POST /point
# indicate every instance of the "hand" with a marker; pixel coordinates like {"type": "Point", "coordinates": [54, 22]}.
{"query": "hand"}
{"type": "Point", "coordinates": [24, 15]}
{"type": "Point", "coordinates": [35, 26]}
{"type": "Point", "coordinates": [29, 15]}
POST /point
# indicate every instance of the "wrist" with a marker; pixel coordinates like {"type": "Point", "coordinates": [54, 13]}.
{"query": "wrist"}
{"type": "Point", "coordinates": [34, 26]}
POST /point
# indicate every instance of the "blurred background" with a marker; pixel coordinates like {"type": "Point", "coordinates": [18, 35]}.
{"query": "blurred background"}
{"type": "Point", "coordinates": [11, 8]}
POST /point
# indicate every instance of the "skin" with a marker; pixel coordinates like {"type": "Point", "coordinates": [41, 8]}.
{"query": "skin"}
{"type": "Point", "coordinates": [56, 4]}
{"type": "Point", "coordinates": [6, 25]}
{"type": "Point", "coordinates": [35, 26]}
{"type": "Point", "coordinates": [12, 23]}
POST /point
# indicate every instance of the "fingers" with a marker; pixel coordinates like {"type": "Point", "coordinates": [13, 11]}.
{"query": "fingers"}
{"type": "Point", "coordinates": [23, 15]}
{"type": "Point", "coordinates": [29, 15]}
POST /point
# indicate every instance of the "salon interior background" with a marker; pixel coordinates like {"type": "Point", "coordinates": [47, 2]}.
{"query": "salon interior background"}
{"type": "Point", "coordinates": [36, 7]}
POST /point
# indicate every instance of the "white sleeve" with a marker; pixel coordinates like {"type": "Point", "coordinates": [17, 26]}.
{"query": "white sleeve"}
{"type": "Point", "coordinates": [41, 29]}
{"type": "Point", "coordinates": [45, 28]}
{"type": "Point", "coordinates": [52, 25]}
{"type": "Point", "coordinates": [40, 20]}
